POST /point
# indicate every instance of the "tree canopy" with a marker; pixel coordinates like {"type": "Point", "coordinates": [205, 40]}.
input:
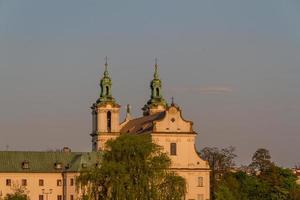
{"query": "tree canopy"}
{"type": "Point", "coordinates": [132, 167]}
{"type": "Point", "coordinates": [261, 180]}
{"type": "Point", "coordinates": [220, 162]}
{"type": "Point", "coordinates": [19, 193]}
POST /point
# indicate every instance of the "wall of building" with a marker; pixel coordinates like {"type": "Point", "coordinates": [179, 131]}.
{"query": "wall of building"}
{"type": "Point", "coordinates": [102, 118]}
{"type": "Point", "coordinates": [53, 183]}
{"type": "Point", "coordinates": [186, 163]}
{"type": "Point", "coordinates": [102, 138]}
{"type": "Point", "coordinates": [196, 189]}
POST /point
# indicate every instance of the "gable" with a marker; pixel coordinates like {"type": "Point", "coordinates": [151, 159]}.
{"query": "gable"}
{"type": "Point", "coordinates": [173, 122]}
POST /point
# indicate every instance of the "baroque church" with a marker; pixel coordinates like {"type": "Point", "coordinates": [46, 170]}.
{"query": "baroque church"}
{"type": "Point", "coordinates": [52, 175]}
{"type": "Point", "coordinates": [163, 122]}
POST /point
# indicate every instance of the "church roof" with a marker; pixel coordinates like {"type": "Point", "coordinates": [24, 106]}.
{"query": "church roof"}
{"type": "Point", "coordinates": [143, 124]}
{"type": "Point", "coordinates": [49, 162]}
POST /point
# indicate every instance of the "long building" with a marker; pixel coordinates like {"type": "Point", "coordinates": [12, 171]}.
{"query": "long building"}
{"type": "Point", "coordinates": [52, 175]}
{"type": "Point", "coordinates": [43, 175]}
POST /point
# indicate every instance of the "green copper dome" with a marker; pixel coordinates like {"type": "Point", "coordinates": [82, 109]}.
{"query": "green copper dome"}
{"type": "Point", "coordinates": [105, 87]}
{"type": "Point", "coordinates": [156, 92]}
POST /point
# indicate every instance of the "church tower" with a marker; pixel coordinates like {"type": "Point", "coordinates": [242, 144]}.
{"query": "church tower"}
{"type": "Point", "coordinates": [156, 102]}
{"type": "Point", "coordinates": [105, 114]}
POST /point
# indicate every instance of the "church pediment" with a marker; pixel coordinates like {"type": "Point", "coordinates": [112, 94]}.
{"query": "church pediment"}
{"type": "Point", "coordinates": [173, 122]}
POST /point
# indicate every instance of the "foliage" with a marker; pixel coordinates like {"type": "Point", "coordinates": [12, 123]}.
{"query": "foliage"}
{"type": "Point", "coordinates": [269, 182]}
{"type": "Point", "coordinates": [132, 167]}
{"type": "Point", "coordinates": [15, 197]}
{"type": "Point", "coordinates": [261, 160]}
{"type": "Point", "coordinates": [19, 193]}
{"type": "Point", "coordinates": [220, 162]}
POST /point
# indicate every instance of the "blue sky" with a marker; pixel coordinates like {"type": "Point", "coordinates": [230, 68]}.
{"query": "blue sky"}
{"type": "Point", "coordinates": [233, 66]}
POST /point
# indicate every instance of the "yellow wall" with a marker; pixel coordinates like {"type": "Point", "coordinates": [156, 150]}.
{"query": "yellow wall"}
{"type": "Point", "coordinates": [193, 189]}
{"type": "Point", "coordinates": [186, 162]}
{"type": "Point", "coordinates": [33, 188]}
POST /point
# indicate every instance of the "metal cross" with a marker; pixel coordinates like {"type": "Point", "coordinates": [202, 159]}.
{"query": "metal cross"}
{"type": "Point", "coordinates": [106, 59]}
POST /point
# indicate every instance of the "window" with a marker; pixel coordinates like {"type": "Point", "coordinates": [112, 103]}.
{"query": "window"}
{"type": "Point", "coordinates": [25, 165]}
{"type": "Point", "coordinates": [71, 197]}
{"type": "Point", "coordinates": [84, 165]}
{"type": "Point", "coordinates": [173, 150]}
{"type": "Point", "coordinates": [72, 181]}
{"type": "Point", "coordinates": [157, 92]}
{"type": "Point", "coordinates": [107, 90]}
{"type": "Point", "coordinates": [200, 197]}
{"type": "Point", "coordinates": [41, 182]}
{"type": "Point", "coordinates": [59, 197]}
{"type": "Point", "coordinates": [41, 197]}
{"type": "Point", "coordinates": [108, 121]}
{"type": "Point", "coordinates": [200, 182]}
{"type": "Point", "coordinates": [24, 182]}
{"type": "Point", "coordinates": [58, 182]}
{"type": "Point", "coordinates": [58, 165]}
{"type": "Point", "coordinates": [8, 182]}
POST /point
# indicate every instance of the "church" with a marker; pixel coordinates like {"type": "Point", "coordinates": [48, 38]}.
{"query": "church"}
{"type": "Point", "coordinates": [163, 122]}
{"type": "Point", "coordinates": [52, 175]}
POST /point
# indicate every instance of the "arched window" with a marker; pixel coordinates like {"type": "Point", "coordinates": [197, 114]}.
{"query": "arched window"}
{"type": "Point", "coordinates": [108, 121]}
{"type": "Point", "coordinates": [107, 90]}
{"type": "Point", "coordinates": [157, 91]}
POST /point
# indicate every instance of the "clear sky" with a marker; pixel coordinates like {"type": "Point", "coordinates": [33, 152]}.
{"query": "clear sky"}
{"type": "Point", "coordinates": [233, 66]}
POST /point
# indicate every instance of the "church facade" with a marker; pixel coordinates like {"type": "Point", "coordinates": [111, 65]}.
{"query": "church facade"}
{"type": "Point", "coordinates": [52, 175]}
{"type": "Point", "coordinates": [163, 122]}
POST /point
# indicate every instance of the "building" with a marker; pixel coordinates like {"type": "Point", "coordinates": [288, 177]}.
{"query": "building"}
{"type": "Point", "coordinates": [51, 175]}
{"type": "Point", "coordinates": [163, 122]}
{"type": "Point", "coordinates": [43, 175]}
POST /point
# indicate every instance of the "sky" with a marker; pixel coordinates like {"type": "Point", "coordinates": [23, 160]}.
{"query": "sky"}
{"type": "Point", "coordinates": [232, 66]}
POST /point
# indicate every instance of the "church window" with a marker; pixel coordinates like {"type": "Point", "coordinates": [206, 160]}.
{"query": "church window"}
{"type": "Point", "coordinates": [200, 181]}
{"type": "Point", "coordinates": [71, 197]}
{"type": "Point", "coordinates": [41, 182]}
{"type": "Point", "coordinates": [157, 91]}
{"type": "Point", "coordinates": [72, 181]}
{"type": "Point", "coordinates": [59, 197]}
{"type": "Point", "coordinates": [108, 121]}
{"type": "Point", "coordinates": [107, 90]}
{"type": "Point", "coordinates": [41, 197]}
{"type": "Point", "coordinates": [173, 149]}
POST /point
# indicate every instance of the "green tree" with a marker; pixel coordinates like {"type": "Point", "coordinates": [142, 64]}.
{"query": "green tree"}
{"type": "Point", "coordinates": [282, 183]}
{"type": "Point", "coordinates": [131, 168]}
{"type": "Point", "coordinates": [269, 182]}
{"type": "Point", "coordinates": [261, 160]}
{"type": "Point", "coordinates": [242, 187]}
{"type": "Point", "coordinates": [220, 162]}
{"type": "Point", "coordinates": [16, 197]}
{"type": "Point", "coordinates": [224, 193]}
{"type": "Point", "coordinates": [19, 193]}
